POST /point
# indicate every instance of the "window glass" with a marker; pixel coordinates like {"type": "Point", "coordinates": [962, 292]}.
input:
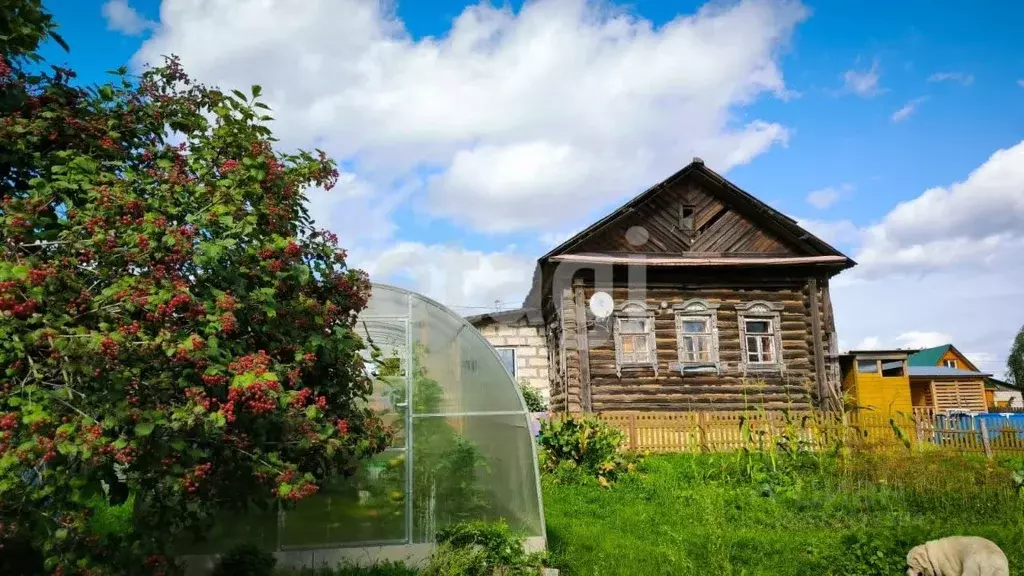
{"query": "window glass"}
{"type": "Point", "coordinates": [758, 326]}
{"type": "Point", "coordinates": [508, 358]}
{"type": "Point", "coordinates": [867, 366]}
{"type": "Point", "coordinates": [695, 326]}
{"type": "Point", "coordinates": [633, 326]}
{"type": "Point", "coordinates": [890, 369]}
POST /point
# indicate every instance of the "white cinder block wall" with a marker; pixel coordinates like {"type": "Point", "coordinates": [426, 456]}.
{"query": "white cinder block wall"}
{"type": "Point", "coordinates": [531, 352]}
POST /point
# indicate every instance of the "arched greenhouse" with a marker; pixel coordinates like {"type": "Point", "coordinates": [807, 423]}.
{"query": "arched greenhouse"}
{"type": "Point", "coordinates": [463, 449]}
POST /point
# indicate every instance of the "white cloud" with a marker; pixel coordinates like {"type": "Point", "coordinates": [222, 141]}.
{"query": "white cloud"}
{"type": "Point", "coordinates": [869, 343]}
{"type": "Point", "coordinates": [957, 77]}
{"type": "Point", "coordinates": [825, 197]}
{"type": "Point", "coordinates": [864, 83]}
{"type": "Point", "coordinates": [553, 239]}
{"type": "Point", "coordinates": [908, 109]}
{"type": "Point", "coordinates": [969, 222]}
{"type": "Point", "coordinates": [123, 18]}
{"type": "Point", "coordinates": [562, 107]}
{"type": "Point", "coordinates": [354, 210]}
{"type": "Point", "coordinates": [468, 281]}
{"type": "Point", "coordinates": [918, 340]}
{"type": "Point", "coordinates": [832, 231]}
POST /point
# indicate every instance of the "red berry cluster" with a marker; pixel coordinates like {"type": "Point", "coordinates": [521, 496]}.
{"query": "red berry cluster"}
{"type": "Point", "coordinates": [258, 397]}
{"type": "Point", "coordinates": [9, 421]}
{"type": "Point", "coordinates": [214, 379]}
{"type": "Point", "coordinates": [293, 250]}
{"type": "Point", "coordinates": [228, 166]}
{"type": "Point", "coordinates": [228, 323]}
{"type": "Point", "coordinates": [192, 479]}
{"type": "Point", "coordinates": [200, 397]}
{"type": "Point", "coordinates": [125, 455]}
{"type": "Point", "coordinates": [20, 310]}
{"type": "Point", "coordinates": [301, 397]}
{"type": "Point", "coordinates": [226, 302]}
{"type": "Point", "coordinates": [342, 427]}
{"type": "Point", "coordinates": [257, 364]}
{"type": "Point", "coordinates": [129, 329]}
{"type": "Point", "coordinates": [109, 349]}
{"type": "Point", "coordinates": [38, 276]}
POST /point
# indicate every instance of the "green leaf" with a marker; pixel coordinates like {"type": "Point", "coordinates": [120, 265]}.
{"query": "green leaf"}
{"type": "Point", "coordinates": [144, 428]}
{"type": "Point", "coordinates": [256, 90]}
{"type": "Point", "coordinates": [60, 41]}
{"type": "Point", "coordinates": [239, 95]}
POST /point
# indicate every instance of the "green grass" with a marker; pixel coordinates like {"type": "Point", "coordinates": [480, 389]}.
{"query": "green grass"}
{"type": "Point", "coordinates": [736, 515]}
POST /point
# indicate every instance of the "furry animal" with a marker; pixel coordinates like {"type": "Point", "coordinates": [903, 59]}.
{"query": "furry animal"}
{"type": "Point", "coordinates": [957, 556]}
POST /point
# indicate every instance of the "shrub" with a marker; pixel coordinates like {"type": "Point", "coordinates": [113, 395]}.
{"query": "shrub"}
{"type": "Point", "coordinates": [583, 445]}
{"type": "Point", "coordinates": [878, 551]}
{"type": "Point", "coordinates": [482, 549]}
{"type": "Point", "coordinates": [245, 560]}
{"type": "Point", "coordinates": [534, 401]}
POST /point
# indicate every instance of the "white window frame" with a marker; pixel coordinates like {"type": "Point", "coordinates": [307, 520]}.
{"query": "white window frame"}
{"type": "Point", "coordinates": [950, 363]}
{"type": "Point", "coordinates": [761, 310]}
{"type": "Point", "coordinates": [633, 310]}
{"type": "Point", "coordinates": [703, 311]}
{"type": "Point", "coordinates": [515, 359]}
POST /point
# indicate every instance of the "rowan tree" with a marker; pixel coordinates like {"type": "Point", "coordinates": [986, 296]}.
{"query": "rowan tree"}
{"type": "Point", "coordinates": [172, 324]}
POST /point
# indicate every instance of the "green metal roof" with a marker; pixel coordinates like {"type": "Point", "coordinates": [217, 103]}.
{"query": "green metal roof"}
{"type": "Point", "coordinates": [928, 356]}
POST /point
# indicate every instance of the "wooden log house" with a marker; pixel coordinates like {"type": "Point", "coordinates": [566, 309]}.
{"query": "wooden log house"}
{"type": "Point", "coordinates": [719, 302]}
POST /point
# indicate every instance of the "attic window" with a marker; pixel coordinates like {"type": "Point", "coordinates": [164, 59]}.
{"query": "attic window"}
{"type": "Point", "coordinates": [950, 363]}
{"type": "Point", "coordinates": [686, 218]}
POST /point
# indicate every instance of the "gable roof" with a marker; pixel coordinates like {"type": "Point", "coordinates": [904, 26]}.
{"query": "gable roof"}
{"type": "Point", "coordinates": [931, 356]}
{"type": "Point", "coordinates": [928, 356]}
{"type": "Point", "coordinates": [777, 222]}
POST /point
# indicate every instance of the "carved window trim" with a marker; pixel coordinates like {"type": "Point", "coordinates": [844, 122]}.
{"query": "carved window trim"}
{"type": "Point", "coordinates": [761, 310]}
{"type": "Point", "coordinates": [699, 310]}
{"type": "Point", "coordinates": [631, 311]}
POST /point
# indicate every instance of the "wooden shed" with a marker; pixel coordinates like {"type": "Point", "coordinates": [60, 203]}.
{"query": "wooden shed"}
{"type": "Point", "coordinates": [877, 381]}
{"type": "Point", "coordinates": [948, 389]}
{"type": "Point", "coordinates": [944, 379]}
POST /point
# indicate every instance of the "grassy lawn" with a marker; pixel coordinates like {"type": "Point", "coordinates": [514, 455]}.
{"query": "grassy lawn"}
{"type": "Point", "coordinates": [739, 515]}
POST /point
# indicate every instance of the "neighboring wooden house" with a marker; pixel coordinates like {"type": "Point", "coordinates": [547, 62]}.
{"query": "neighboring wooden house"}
{"type": "Point", "coordinates": [1000, 395]}
{"type": "Point", "coordinates": [714, 300]}
{"type": "Point", "coordinates": [877, 381]}
{"type": "Point", "coordinates": [943, 379]}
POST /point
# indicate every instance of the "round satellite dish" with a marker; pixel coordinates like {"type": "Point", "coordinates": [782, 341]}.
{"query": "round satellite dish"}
{"type": "Point", "coordinates": [601, 304]}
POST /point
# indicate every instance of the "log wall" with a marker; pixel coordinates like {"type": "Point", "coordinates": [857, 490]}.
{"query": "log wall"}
{"type": "Point", "coordinates": [795, 387]}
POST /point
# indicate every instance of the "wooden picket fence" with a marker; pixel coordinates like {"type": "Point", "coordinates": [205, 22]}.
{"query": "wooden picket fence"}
{"type": "Point", "coordinates": [728, 431]}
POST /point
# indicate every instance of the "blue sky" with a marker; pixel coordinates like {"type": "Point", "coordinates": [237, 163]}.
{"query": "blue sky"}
{"type": "Point", "coordinates": [868, 104]}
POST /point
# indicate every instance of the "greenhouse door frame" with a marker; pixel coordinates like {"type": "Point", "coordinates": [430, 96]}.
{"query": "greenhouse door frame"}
{"type": "Point", "coordinates": [406, 448]}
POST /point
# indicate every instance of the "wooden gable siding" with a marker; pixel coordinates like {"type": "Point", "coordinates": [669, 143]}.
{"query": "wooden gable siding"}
{"type": "Point", "coordinates": [729, 389]}
{"type": "Point", "coordinates": [962, 362]}
{"type": "Point", "coordinates": [718, 227]}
